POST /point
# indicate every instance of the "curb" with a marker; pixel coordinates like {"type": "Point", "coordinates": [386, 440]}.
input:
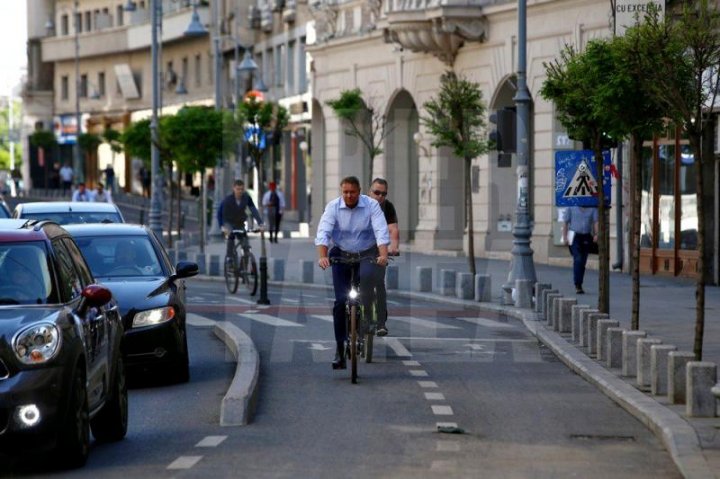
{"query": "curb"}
{"type": "Point", "coordinates": [678, 437]}
{"type": "Point", "coordinates": [238, 404]}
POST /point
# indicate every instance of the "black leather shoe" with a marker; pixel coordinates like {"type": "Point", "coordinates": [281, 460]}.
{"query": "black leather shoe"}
{"type": "Point", "coordinates": [339, 361]}
{"type": "Point", "coordinates": [382, 331]}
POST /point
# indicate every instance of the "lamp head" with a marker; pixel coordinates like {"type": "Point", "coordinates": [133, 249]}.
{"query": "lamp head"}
{"type": "Point", "coordinates": [195, 29]}
{"type": "Point", "coordinates": [247, 64]}
{"type": "Point", "coordinates": [260, 85]}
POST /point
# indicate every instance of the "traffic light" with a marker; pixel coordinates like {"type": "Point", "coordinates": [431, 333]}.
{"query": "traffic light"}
{"type": "Point", "coordinates": [503, 135]}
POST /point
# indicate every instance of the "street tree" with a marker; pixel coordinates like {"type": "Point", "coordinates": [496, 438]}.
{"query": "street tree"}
{"type": "Point", "coordinates": [456, 119]}
{"type": "Point", "coordinates": [258, 119]}
{"type": "Point", "coordinates": [681, 61]}
{"type": "Point", "coordinates": [639, 115]}
{"type": "Point", "coordinates": [576, 84]}
{"type": "Point", "coordinates": [112, 138]}
{"type": "Point", "coordinates": [366, 123]}
{"type": "Point", "coordinates": [89, 143]}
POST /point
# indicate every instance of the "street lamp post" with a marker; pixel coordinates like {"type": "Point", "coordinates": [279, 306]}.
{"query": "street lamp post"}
{"type": "Point", "coordinates": [522, 255]}
{"type": "Point", "coordinates": [156, 191]}
{"type": "Point", "coordinates": [78, 167]}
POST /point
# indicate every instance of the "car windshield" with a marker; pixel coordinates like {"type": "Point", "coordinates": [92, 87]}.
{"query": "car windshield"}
{"type": "Point", "coordinates": [24, 274]}
{"type": "Point", "coordinates": [75, 217]}
{"type": "Point", "coordinates": [113, 256]}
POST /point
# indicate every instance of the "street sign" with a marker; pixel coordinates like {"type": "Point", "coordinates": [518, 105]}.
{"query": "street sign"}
{"type": "Point", "coordinates": [575, 178]}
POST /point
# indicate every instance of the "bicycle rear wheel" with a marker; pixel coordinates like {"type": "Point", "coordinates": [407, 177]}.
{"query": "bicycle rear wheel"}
{"type": "Point", "coordinates": [369, 337]}
{"type": "Point", "coordinates": [250, 273]}
{"type": "Point", "coordinates": [231, 276]}
{"type": "Point", "coordinates": [353, 343]}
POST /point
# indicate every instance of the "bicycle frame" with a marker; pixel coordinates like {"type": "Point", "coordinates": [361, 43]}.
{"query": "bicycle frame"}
{"type": "Point", "coordinates": [241, 265]}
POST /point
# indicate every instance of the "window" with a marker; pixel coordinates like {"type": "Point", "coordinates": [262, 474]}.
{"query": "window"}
{"type": "Point", "coordinates": [88, 21]}
{"type": "Point", "coordinates": [120, 15]}
{"type": "Point", "coordinates": [279, 63]}
{"type": "Point", "coordinates": [291, 68]}
{"type": "Point", "coordinates": [78, 23]}
{"type": "Point", "coordinates": [184, 72]}
{"type": "Point", "coordinates": [302, 63]}
{"type": "Point", "coordinates": [64, 87]}
{"type": "Point", "coordinates": [198, 70]}
{"type": "Point", "coordinates": [101, 84]}
{"type": "Point", "coordinates": [68, 279]}
{"type": "Point", "coordinates": [64, 25]}
{"type": "Point", "coordinates": [83, 86]}
{"type": "Point", "coordinates": [80, 265]}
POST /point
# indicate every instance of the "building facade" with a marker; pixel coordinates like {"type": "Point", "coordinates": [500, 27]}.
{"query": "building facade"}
{"type": "Point", "coordinates": [395, 52]}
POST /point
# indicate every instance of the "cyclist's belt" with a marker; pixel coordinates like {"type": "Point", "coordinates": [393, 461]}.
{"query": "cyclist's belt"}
{"type": "Point", "coordinates": [361, 254]}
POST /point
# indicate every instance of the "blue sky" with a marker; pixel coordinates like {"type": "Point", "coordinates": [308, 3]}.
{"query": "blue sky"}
{"type": "Point", "coordinates": [13, 36]}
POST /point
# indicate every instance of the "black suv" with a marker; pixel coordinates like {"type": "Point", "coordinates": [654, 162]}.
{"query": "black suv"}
{"type": "Point", "coordinates": [61, 369]}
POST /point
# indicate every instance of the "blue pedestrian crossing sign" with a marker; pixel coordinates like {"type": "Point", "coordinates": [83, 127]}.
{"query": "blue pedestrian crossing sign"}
{"type": "Point", "coordinates": [576, 178]}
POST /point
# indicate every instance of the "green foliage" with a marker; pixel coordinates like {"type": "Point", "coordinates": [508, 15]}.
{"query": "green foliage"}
{"type": "Point", "coordinates": [136, 140]}
{"type": "Point", "coordinates": [89, 142]}
{"type": "Point", "coordinates": [348, 105]}
{"type": "Point", "coordinates": [269, 117]}
{"type": "Point", "coordinates": [112, 138]}
{"type": "Point", "coordinates": [456, 117]}
{"type": "Point", "coordinates": [43, 139]}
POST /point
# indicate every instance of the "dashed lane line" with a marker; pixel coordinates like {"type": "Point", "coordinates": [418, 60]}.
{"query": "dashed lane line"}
{"type": "Point", "coordinates": [400, 350]}
{"type": "Point", "coordinates": [418, 373]}
{"type": "Point", "coordinates": [447, 446]}
{"type": "Point", "coordinates": [211, 441]}
{"type": "Point", "coordinates": [184, 462]}
{"type": "Point", "coordinates": [440, 410]}
{"type": "Point", "coordinates": [435, 396]}
{"type": "Point", "coordinates": [240, 300]}
{"type": "Point", "coordinates": [428, 384]}
{"type": "Point", "coordinates": [488, 323]}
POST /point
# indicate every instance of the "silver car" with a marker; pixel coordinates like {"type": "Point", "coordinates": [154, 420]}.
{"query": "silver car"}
{"type": "Point", "coordinates": [69, 212]}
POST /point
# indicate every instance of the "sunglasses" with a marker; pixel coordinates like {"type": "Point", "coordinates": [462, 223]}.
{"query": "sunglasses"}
{"type": "Point", "coordinates": [380, 193]}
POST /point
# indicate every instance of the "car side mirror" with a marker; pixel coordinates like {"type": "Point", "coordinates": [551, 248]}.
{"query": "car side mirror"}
{"type": "Point", "coordinates": [94, 296]}
{"type": "Point", "coordinates": [185, 269]}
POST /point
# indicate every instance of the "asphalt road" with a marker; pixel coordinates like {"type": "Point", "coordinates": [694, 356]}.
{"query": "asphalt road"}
{"type": "Point", "coordinates": [519, 412]}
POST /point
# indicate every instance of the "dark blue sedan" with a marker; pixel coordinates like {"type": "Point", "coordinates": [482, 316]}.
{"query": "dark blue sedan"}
{"type": "Point", "coordinates": [150, 291]}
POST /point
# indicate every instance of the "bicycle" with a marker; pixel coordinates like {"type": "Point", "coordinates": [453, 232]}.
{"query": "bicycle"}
{"type": "Point", "coordinates": [355, 341]}
{"type": "Point", "coordinates": [243, 267]}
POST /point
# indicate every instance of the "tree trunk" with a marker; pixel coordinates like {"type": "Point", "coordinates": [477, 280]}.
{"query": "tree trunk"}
{"type": "Point", "coordinates": [695, 141]}
{"type": "Point", "coordinates": [469, 216]}
{"type": "Point", "coordinates": [636, 182]}
{"type": "Point", "coordinates": [603, 250]}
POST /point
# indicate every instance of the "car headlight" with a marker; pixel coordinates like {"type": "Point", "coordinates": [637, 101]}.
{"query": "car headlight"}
{"type": "Point", "coordinates": [153, 316]}
{"type": "Point", "coordinates": [37, 344]}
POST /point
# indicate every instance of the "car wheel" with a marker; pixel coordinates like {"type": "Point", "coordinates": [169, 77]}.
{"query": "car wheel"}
{"type": "Point", "coordinates": [112, 421]}
{"type": "Point", "coordinates": [74, 438]}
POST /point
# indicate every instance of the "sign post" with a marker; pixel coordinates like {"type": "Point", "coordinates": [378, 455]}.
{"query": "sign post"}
{"type": "Point", "coordinates": [575, 178]}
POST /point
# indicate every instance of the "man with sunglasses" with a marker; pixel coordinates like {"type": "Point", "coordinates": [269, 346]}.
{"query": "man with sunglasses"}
{"type": "Point", "coordinates": [378, 192]}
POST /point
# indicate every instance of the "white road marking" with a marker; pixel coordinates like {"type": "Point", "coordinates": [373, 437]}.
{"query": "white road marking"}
{"type": "Point", "coordinates": [289, 300]}
{"type": "Point", "coordinates": [323, 317]}
{"type": "Point", "coordinates": [488, 323]}
{"type": "Point", "coordinates": [423, 323]}
{"type": "Point", "coordinates": [442, 410]}
{"type": "Point", "coordinates": [476, 347]}
{"type": "Point", "coordinates": [240, 300]}
{"type": "Point", "coordinates": [196, 320]}
{"type": "Point", "coordinates": [443, 465]}
{"type": "Point", "coordinates": [319, 347]}
{"type": "Point", "coordinates": [211, 441]}
{"type": "Point", "coordinates": [435, 396]}
{"type": "Point", "coordinates": [418, 373]}
{"type": "Point", "coordinates": [271, 320]}
{"type": "Point", "coordinates": [428, 384]}
{"type": "Point", "coordinates": [251, 311]}
{"type": "Point", "coordinates": [447, 446]}
{"type": "Point", "coordinates": [184, 462]}
{"type": "Point", "coordinates": [417, 339]}
{"type": "Point", "coordinates": [394, 303]}
{"type": "Point", "coordinates": [263, 306]}
{"type": "Point", "coordinates": [396, 345]}
{"type": "Point", "coordinates": [411, 363]}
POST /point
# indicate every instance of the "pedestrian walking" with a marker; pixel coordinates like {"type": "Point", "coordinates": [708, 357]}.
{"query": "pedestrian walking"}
{"type": "Point", "coordinates": [274, 203]}
{"type": "Point", "coordinates": [580, 232]}
{"type": "Point", "coordinates": [110, 178]}
{"type": "Point", "coordinates": [66, 177]}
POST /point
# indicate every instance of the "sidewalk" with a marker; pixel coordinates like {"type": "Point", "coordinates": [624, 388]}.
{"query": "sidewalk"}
{"type": "Point", "coordinates": [667, 311]}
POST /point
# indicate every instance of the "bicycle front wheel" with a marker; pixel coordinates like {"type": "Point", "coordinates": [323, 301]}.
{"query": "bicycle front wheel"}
{"type": "Point", "coordinates": [353, 343]}
{"type": "Point", "coordinates": [231, 277]}
{"type": "Point", "coordinates": [250, 273]}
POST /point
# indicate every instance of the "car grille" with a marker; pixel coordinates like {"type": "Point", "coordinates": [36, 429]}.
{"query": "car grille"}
{"type": "Point", "coordinates": [4, 373]}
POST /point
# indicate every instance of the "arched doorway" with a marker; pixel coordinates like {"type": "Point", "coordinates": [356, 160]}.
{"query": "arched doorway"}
{"type": "Point", "coordinates": [401, 162]}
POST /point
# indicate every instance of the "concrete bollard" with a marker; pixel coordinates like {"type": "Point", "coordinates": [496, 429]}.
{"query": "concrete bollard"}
{"type": "Point", "coordinates": [701, 377]}
{"type": "Point", "coordinates": [423, 279]}
{"type": "Point", "coordinates": [659, 368]}
{"type": "Point", "coordinates": [584, 316]}
{"type": "Point", "coordinates": [392, 277]}
{"type": "Point", "coordinates": [464, 286]}
{"type": "Point", "coordinates": [565, 315]}
{"type": "Point", "coordinates": [447, 282]}
{"type": "Point", "coordinates": [576, 312]}
{"type": "Point", "coordinates": [557, 302]}
{"type": "Point", "coordinates": [592, 332]}
{"type": "Point", "coordinates": [549, 311]}
{"type": "Point", "coordinates": [643, 361]}
{"type": "Point", "coordinates": [629, 352]}
{"type": "Point", "coordinates": [307, 271]}
{"type": "Point", "coordinates": [602, 344]}
{"type": "Point", "coordinates": [539, 288]}
{"type": "Point", "coordinates": [614, 347]}
{"type": "Point", "coordinates": [200, 260]}
{"type": "Point", "coordinates": [483, 288]}
{"type": "Point", "coordinates": [523, 293]}
{"type": "Point", "coordinates": [214, 265]}
{"type": "Point", "coordinates": [677, 375]}
{"type": "Point", "coordinates": [278, 269]}
{"type": "Point", "coordinates": [544, 301]}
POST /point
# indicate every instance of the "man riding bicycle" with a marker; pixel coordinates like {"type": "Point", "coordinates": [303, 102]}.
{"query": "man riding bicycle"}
{"type": "Point", "coordinates": [356, 226]}
{"type": "Point", "coordinates": [233, 213]}
{"type": "Point", "coordinates": [378, 192]}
